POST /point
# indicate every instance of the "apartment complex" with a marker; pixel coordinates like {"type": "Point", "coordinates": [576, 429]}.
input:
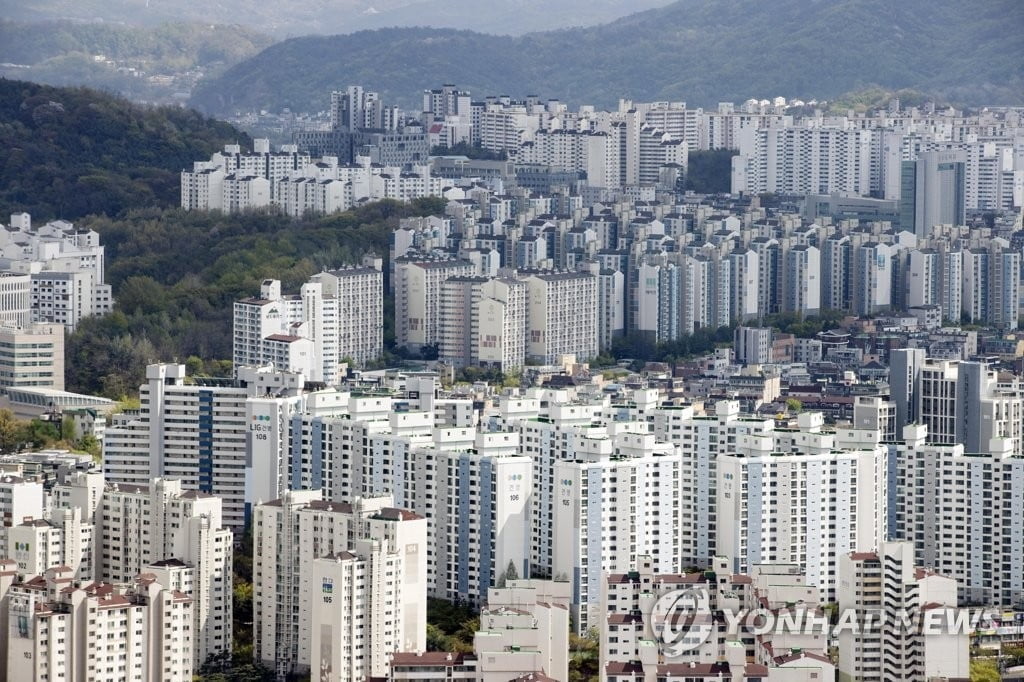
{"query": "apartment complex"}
{"type": "Point", "coordinates": [714, 638]}
{"type": "Point", "coordinates": [337, 585]}
{"type": "Point", "coordinates": [337, 316]}
{"type": "Point", "coordinates": [945, 494]}
{"type": "Point", "coordinates": [53, 273]}
{"type": "Point", "coordinates": [297, 184]}
{"type": "Point", "coordinates": [59, 630]}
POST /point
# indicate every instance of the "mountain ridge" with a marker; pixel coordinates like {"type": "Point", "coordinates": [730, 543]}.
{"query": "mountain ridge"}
{"type": "Point", "coordinates": [688, 50]}
{"type": "Point", "coordinates": [286, 18]}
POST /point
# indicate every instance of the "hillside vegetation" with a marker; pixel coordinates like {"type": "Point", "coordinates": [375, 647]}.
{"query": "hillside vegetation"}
{"type": "Point", "coordinates": [176, 275]}
{"type": "Point", "coordinates": [690, 50]}
{"type": "Point", "coordinates": [70, 152]}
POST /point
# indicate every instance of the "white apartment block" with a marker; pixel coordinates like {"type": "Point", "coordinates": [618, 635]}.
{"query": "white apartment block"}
{"type": "Point", "coordinates": [196, 432]}
{"type": "Point", "coordinates": [662, 159]}
{"type": "Point", "coordinates": [32, 356]}
{"type": "Point", "coordinates": [562, 316]}
{"type": "Point", "coordinates": [598, 154]}
{"type": "Point", "coordinates": [804, 502]}
{"type": "Point", "coordinates": [523, 635]}
{"type": "Point", "coordinates": [263, 325]}
{"type": "Point", "coordinates": [676, 120]}
{"type": "Point", "coordinates": [724, 127]}
{"type": "Point", "coordinates": [524, 629]}
{"type": "Point", "coordinates": [607, 512]}
{"type": "Point", "coordinates": [962, 402]}
{"type": "Point", "coordinates": [337, 315]}
{"type": "Point", "coordinates": [504, 128]}
{"type": "Point", "coordinates": [474, 489]}
{"type": "Point", "coordinates": [292, 182]}
{"type": "Point", "coordinates": [15, 299]}
{"type": "Point", "coordinates": [803, 280]}
{"type": "Point", "coordinates": [135, 528]}
{"type": "Point", "coordinates": [35, 545]}
{"type": "Point", "coordinates": [887, 581]}
{"type": "Point", "coordinates": [233, 180]}
{"type": "Point", "coordinates": [354, 596]}
{"type": "Point", "coordinates": [328, 187]}
{"type": "Point", "coordinates": [418, 286]}
{"type": "Point", "coordinates": [20, 499]}
{"type": "Point", "coordinates": [753, 345]}
{"type": "Point", "coordinates": [243, 192]}
{"type": "Point", "coordinates": [481, 521]}
{"type": "Point", "coordinates": [964, 514]}
{"type": "Point", "coordinates": [367, 557]}
{"type": "Point", "coordinates": [58, 630]}
{"type": "Point", "coordinates": [64, 539]}
{"type": "Point", "coordinates": [547, 438]}
{"type": "Point", "coordinates": [803, 160]}
{"type": "Point", "coordinates": [66, 270]}
{"type": "Point", "coordinates": [483, 322]}
{"type": "Point", "coordinates": [701, 438]}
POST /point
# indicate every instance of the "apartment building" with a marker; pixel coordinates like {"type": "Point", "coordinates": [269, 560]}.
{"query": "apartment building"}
{"type": "Point", "coordinates": [58, 630]}
{"type": "Point", "coordinates": [887, 582]}
{"type": "Point", "coordinates": [319, 567]}
{"type": "Point", "coordinates": [803, 502]}
{"type": "Point", "coordinates": [715, 635]}
{"type": "Point", "coordinates": [483, 322]}
{"type": "Point", "coordinates": [418, 284]}
{"type": "Point", "coordinates": [609, 510]}
{"type": "Point", "coordinates": [15, 299]}
{"type": "Point", "coordinates": [523, 635]}
{"type": "Point", "coordinates": [32, 356]}
{"type": "Point", "coordinates": [561, 316]}
{"type": "Point", "coordinates": [962, 512]}
{"type": "Point", "coordinates": [62, 267]}
{"type": "Point", "coordinates": [20, 498]}
{"type": "Point", "coordinates": [136, 528]}
{"type": "Point", "coordinates": [194, 431]}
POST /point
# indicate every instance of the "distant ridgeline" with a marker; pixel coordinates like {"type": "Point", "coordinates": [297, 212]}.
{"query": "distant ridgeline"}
{"type": "Point", "coordinates": [690, 50]}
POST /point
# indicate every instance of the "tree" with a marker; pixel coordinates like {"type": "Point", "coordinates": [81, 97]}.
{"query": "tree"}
{"type": "Point", "coordinates": [510, 574]}
{"type": "Point", "coordinates": [468, 150]}
{"type": "Point", "coordinates": [67, 430]}
{"type": "Point", "coordinates": [709, 172]}
{"type": "Point", "coordinates": [584, 656]}
{"type": "Point", "coordinates": [89, 443]}
{"type": "Point", "coordinates": [984, 670]}
{"type": "Point", "coordinates": [1014, 655]}
{"type": "Point", "coordinates": [225, 667]}
{"type": "Point", "coordinates": [794, 405]}
{"type": "Point", "coordinates": [11, 431]}
{"type": "Point", "coordinates": [42, 433]}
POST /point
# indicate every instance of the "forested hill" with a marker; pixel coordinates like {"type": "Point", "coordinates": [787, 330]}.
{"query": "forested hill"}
{"type": "Point", "coordinates": [70, 152]}
{"type": "Point", "coordinates": [169, 47]}
{"type": "Point", "coordinates": [158, 64]}
{"type": "Point", "coordinates": [692, 50]}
